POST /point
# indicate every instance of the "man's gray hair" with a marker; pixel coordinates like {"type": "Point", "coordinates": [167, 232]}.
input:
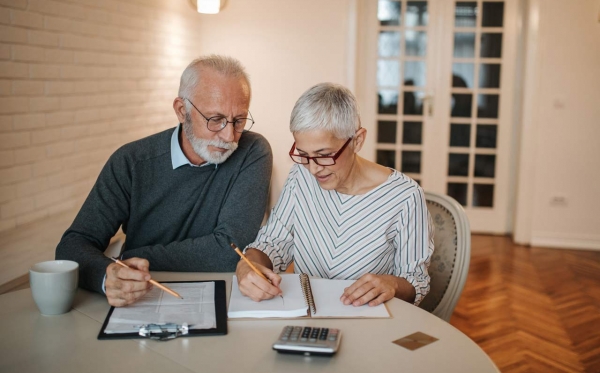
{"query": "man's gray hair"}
{"type": "Point", "coordinates": [225, 65]}
{"type": "Point", "coordinates": [326, 106]}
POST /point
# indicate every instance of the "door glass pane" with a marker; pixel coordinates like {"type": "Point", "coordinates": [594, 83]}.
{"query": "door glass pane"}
{"type": "Point", "coordinates": [411, 162]}
{"type": "Point", "coordinates": [460, 105]}
{"type": "Point", "coordinates": [388, 73]}
{"type": "Point", "coordinates": [489, 75]}
{"type": "Point", "coordinates": [486, 136]}
{"type": "Point", "coordinates": [487, 106]}
{"type": "Point", "coordinates": [416, 13]}
{"type": "Point", "coordinates": [491, 45]}
{"type": "Point", "coordinates": [413, 103]}
{"type": "Point", "coordinates": [458, 165]}
{"type": "Point", "coordinates": [387, 101]}
{"type": "Point", "coordinates": [465, 14]}
{"type": "Point", "coordinates": [458, 191]}
{"type": "Point", "coordinates": [388, 13]}
{"type": "Point", "coordinates": [460, 135]}
{"type": "Point", "coordinates": [493, 14]}
{"type": "Point", "coordinates": [386, 132]}
{"type": "Point", "coordinates": [485, 165]}
{"type": "Point", "coordinates": [386, 158]}
{"type": "Point", "coordinates": [463, 74]}
{"type": "Point", "coordinates": [412, 133]}
{"type": "Point", "coordinates": [483, 195]}
{"type": "Point", "coordinates": [464, 44]}
{"type": "Point", "coordinates": [416, 43]}
{"type": "Point", "coordinates": [414, 73]}
{"type": "Point", "coordinates": [389, 44]}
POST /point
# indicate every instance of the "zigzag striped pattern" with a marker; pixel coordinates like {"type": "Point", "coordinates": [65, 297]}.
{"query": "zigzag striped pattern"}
{"type": "Point", "coordinates": [332, 235]}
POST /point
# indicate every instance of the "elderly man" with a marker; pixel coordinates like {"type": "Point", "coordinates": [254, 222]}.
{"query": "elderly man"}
{"type": "Point", "coordinates": [181, 195]}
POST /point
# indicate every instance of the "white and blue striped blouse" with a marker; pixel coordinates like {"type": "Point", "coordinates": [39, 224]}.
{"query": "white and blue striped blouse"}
{"type": "Point", "coordinates": [327, 234]}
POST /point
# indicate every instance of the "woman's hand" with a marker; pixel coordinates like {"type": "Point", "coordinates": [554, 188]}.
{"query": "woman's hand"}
{"type": "Point", "coordinates": [372, 289]}
{"type": "Point", "coordinates": [254, 286]}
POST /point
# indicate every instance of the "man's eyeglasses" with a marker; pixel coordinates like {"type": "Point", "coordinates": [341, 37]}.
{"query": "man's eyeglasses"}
{"type": "Point", "coordinates": [321, 161]}
{"type": "Point", "coordinates": [217, 123]}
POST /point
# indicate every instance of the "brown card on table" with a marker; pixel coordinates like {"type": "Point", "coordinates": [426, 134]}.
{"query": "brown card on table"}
{"type": "Point", "coordinates": [415, 341]}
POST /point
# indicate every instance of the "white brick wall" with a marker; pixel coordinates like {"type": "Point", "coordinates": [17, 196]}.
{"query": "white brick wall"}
{"type": "Point", "coordinates": [79, 78]}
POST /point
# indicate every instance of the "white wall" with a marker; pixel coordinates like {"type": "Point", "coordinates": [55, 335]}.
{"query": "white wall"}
{"type": "Point", "coordinates": [287, 46]}
{"type": "Point", "coordinates": [77, 80]}
{"type": "Point", "coordinates": [560, 155]}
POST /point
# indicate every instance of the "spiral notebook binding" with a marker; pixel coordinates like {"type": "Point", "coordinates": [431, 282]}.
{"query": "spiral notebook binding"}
{"type": "Point", "coordinates": [307, 291]}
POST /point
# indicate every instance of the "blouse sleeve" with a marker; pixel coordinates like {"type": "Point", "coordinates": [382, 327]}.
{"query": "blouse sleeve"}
{"type": "Point", "coordinates": [276, 238]}
{"type": "Point", "coordinates": [415, 244]}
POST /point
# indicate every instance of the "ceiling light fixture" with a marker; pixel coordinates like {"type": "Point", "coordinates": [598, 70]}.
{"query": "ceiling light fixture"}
{"type": "Point", "coordinates": [208, 6]}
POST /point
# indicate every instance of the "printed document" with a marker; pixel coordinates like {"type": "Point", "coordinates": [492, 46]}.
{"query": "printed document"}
{"type": "Point", "coordinates": [197, 309]}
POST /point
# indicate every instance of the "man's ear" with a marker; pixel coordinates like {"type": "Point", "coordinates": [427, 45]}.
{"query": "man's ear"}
{"type": "Point", "coordinates": [179, 107]}
{"type": "Point", "coordinates": [359, 139]}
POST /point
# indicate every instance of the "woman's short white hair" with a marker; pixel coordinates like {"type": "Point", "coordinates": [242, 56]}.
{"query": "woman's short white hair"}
{"type": "Point", "coordinates": [326, 106]}
{"type": "Point", "coordinates": [225, 65]}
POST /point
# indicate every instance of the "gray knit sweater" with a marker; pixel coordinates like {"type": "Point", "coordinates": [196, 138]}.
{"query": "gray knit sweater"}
{"type": "Point", "coordinates": [180, 220]}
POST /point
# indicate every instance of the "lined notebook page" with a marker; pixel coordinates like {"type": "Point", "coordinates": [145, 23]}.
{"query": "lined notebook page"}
{"type": "Point", "coordinates": [327, 295]}
{"type": "Point", "coordinates": [292, 304]}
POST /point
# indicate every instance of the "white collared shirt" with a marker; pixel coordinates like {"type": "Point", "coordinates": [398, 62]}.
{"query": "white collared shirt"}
{"type": "Point", "coordinates": [179, 159]}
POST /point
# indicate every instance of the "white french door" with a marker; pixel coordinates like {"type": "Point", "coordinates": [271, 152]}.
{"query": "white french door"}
{"type": "Point", "coordinates": [437, 90]}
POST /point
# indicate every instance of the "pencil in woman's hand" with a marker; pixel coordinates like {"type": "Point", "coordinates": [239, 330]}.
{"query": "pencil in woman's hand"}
{"type": "Point", "coordinates": [237, 250]}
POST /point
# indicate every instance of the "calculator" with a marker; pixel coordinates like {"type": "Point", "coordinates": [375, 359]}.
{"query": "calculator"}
{"type": "Point", "coordinates": [308, 340]}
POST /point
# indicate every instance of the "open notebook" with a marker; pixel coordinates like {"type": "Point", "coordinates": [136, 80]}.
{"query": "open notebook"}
{"type": "Point", "coordinates": [302, 297]}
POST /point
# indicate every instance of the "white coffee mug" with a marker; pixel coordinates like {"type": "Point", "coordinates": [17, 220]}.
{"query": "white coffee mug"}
{"type": "Point", "coordinates": [53, 285]}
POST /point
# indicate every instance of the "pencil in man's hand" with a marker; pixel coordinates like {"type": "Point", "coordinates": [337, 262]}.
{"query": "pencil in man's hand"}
{"type": "Point", "coordinates": [153, 282]}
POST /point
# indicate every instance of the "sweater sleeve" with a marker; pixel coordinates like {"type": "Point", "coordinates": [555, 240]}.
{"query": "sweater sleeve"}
{"type": "Point", "coordinates": [414, 243]}
{"type": "Point", "coordinates": [238, 221]}
{"type": "Point", "coordinates": [103, 212]}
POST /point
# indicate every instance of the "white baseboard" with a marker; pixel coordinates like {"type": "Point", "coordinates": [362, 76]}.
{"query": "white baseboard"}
{"type": "Point", "coordinates": [566, 241]}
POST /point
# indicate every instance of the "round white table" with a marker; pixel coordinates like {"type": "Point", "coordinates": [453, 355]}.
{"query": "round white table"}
{"type": "Point", "coordinates": [31, 342]}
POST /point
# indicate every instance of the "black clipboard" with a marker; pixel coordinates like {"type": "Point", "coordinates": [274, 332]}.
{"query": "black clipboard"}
{"type": "Point", "coordinates": [220, 313]}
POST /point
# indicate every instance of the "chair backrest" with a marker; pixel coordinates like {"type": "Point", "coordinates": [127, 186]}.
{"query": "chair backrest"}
{"type": "Point", "coordinates": [450, 261]}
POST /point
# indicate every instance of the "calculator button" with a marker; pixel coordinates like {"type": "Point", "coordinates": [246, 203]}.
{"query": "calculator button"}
{"type": "Point", "coordinates": [333, 334]}
{"type": "Point", "coordinates": [286, 332]}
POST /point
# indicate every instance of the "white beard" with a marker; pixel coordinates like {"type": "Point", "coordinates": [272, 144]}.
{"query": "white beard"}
{"type": "Point", "coordinates": [200, 146]}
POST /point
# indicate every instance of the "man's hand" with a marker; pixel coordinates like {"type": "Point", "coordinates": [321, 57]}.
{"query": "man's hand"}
{"type": "Point", "coordinates": [254, 286]}
{"type": "Point", "coordinates": [372, 289]}
{"type": "Point", "coordinates": [126, 285]}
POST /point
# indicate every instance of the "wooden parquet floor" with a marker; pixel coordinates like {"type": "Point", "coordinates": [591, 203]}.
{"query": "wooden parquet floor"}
{"type": "Point", "coordinates": [532, 309]}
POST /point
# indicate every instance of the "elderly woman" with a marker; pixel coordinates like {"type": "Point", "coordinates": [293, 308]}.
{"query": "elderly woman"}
{"type": "Point", "coordinates": [341, 216]}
